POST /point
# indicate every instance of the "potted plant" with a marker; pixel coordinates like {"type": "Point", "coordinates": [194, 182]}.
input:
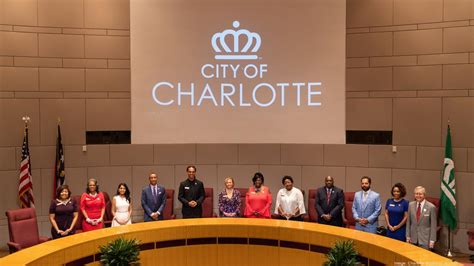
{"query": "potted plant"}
{"type": "Point", "coordinates": [120, 251]}
{"type": "Point", "coordinates": [343, 253]}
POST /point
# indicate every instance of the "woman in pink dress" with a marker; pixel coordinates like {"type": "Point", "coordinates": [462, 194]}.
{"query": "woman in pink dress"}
{"type": "Point", "coordinates": [258, 199]}
{"type": "Point", "coordinates": [92, 207]}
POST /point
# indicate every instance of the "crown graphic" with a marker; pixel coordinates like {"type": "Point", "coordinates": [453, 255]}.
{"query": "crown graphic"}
{"type": "Point", "coordinates": [236, 44]}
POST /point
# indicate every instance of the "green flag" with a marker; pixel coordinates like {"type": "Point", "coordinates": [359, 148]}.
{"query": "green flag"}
{"type": "Point", "coordinates": [448, 189]}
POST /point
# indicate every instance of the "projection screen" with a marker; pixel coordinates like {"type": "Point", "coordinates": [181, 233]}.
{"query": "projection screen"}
{"type": "Point", "coordinates": [225, 71]}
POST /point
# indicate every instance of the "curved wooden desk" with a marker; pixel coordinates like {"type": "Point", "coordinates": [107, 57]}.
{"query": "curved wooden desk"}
{"type": "Point", "coordinates": [219, 241]}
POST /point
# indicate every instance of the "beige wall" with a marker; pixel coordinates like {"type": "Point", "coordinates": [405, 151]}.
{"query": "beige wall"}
{"type": "Point", "coordinates": [410, 69]}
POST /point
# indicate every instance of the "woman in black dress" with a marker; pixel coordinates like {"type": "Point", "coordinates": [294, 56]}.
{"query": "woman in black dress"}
{"type": "Point", "coordinates": [63, 213]}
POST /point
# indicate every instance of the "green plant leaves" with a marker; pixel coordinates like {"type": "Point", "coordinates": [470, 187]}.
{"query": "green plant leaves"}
{"type": "Point", "coordinates": [120, 252]}
{"type": "Point", "coordinates": [342, 254]}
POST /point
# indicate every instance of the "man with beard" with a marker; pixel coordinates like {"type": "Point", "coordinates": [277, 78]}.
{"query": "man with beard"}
{"type": "Point", "coordinates": [191, 195]}
{"type": "Point", "coordinates": [329, 203]}
{"type": "Point", "coordinates": [366, 207]}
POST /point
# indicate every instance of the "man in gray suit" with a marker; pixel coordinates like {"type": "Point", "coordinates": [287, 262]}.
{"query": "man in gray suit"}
{"type": "Point", "coordinates": [422, 221]}
{"type": "Point", "coordinates": [153, 200]}
{"type": "Point", "coordinates": [366, 207]}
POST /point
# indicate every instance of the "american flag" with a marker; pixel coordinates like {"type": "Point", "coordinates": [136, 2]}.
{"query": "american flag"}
{"type": "Point", "coordinates": [25, 188]}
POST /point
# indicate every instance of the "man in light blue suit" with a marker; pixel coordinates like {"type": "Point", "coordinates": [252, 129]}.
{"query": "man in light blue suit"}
{"type": "Point", "coordinates": [153, 200]}
{"type": "Point", "coordinates": [366, 207]}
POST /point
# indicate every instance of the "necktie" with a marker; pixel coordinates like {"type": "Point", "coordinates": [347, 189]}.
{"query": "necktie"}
{"type": "Point", "coordinates": [418, 212]}
{"type": "Point", "coordinates": [154, 194]}
{"type": "Point", "coordinates": [365, 196]}
{"type": "Point", "coordinates": [328, 196]}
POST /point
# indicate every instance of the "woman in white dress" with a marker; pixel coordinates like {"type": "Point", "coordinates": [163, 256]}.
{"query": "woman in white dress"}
{"type": "Point", "coordinates": [122, 206]}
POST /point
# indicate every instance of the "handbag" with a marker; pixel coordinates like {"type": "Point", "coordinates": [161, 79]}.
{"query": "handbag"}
{"type": "Point", "coordinates": [382, 230]}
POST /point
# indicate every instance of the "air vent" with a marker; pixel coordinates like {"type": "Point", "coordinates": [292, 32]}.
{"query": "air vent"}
{"type": "Point", "coordinates": [368, 137]}
{"type": "Point", "coordinates": [108, 137]}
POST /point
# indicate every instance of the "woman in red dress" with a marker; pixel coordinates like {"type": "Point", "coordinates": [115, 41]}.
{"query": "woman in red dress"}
{"type": "Point", "coordinates": [258, 199]}
{"type": "Point", "coordinates": [92, 207]}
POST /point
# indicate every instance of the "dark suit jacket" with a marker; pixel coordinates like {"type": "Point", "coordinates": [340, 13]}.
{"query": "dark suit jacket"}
{"type": "Point", "coordinates": [334, 208]}
{"type": "Point", "coordinates": [149, 205]}
{"type": "Point", "coordinates": [189, 191]}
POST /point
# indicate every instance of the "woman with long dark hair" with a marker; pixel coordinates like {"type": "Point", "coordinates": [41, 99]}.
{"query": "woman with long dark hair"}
{"type": "Point", "coordinates": [122, 206]}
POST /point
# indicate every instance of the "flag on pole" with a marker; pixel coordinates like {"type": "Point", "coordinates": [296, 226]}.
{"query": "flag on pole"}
{"type": "Point", "coordinates": [25, 188]}
{"type": "Point", "coordinates": [59, 173]}
{"type": "Point", "coordinates": [448, 188]}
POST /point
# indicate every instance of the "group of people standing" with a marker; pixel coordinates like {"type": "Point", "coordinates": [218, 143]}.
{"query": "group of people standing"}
{"type": "Point", "coordinates": [413, 222]}
{"type": "Point", "coordinates": [63, 211]}
{"type": "Point", "coordinates": [258, 200]}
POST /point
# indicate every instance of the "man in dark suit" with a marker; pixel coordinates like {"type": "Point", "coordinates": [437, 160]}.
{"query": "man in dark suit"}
{"type": "Point", "coordinates": [191, 195]}
{"type": "Point", "coordinates": [329, 203]}
{"type": "Point", "coordinates": [153, 200]}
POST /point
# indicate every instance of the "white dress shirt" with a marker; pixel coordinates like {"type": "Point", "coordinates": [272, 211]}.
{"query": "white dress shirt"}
{"type": "Point", "coordinates": [422, 204]}
{"type": "Point", "coordinates": [365, 195]}
{"type": "Point", "coordinates": [288, 200]}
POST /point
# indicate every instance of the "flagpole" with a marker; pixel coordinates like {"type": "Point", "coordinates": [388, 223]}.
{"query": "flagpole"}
{"type": "Point", "coordinates": [449, 254]}
{"type": "Point", "coordinates": [55, 187]}
{"type": "Point", "coordinates": [59, 173]}
{"type": "Point", "coordinates": [25, 119]}
{"type": "Point", "coordinates": [25, 186]}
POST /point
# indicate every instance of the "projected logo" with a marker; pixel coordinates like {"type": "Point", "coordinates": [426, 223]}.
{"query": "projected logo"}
{"type": "Point", "coordinates": [240, 44]}
{"type": "Point", "coordinates": [232, 83]}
